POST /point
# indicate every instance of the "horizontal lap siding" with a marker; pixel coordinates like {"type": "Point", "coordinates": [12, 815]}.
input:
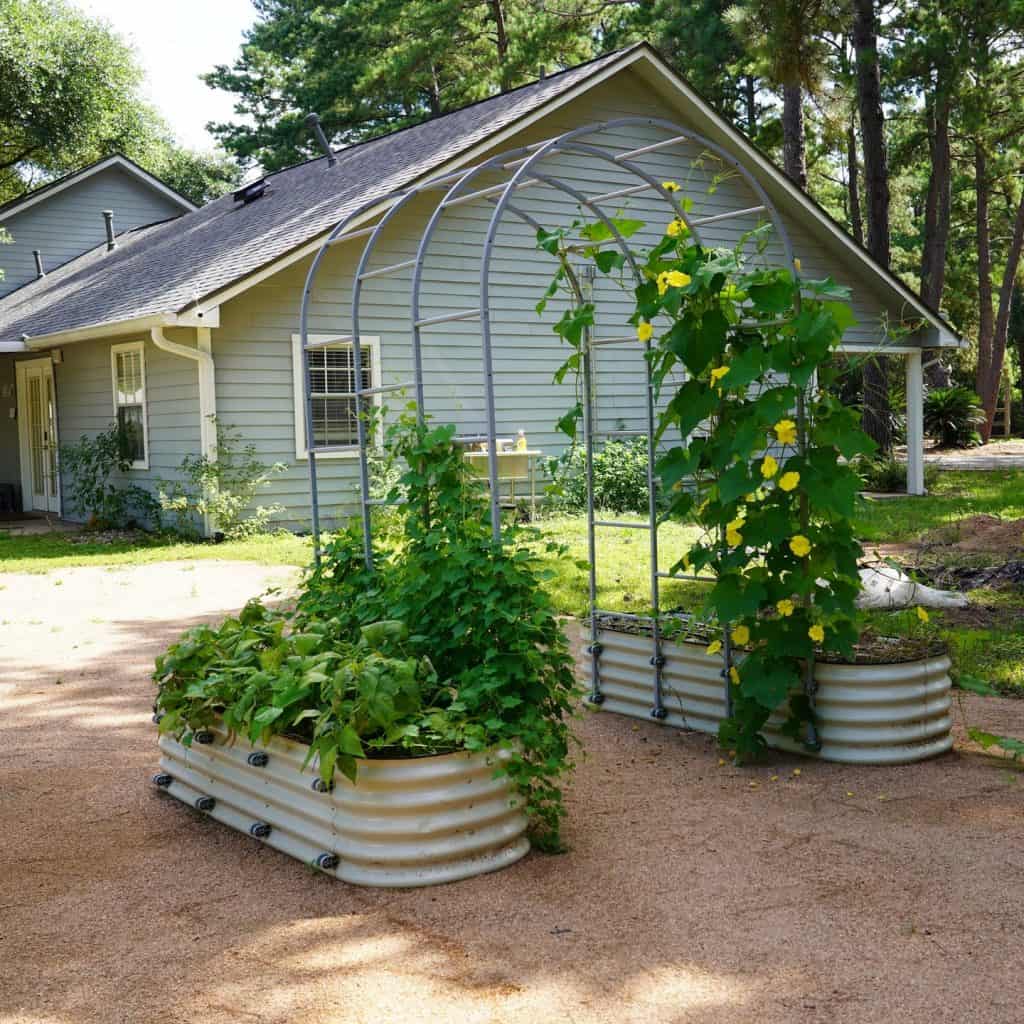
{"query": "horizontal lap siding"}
{"type": "Point", "coordinates": [253, 348]}
{"type": "Point", "coordinates": [85, 404]}
{"type": "Point", "coordinates": [71, 222]}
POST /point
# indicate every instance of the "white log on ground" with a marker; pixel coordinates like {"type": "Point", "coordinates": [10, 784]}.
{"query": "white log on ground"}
{"type": "Point", "coordinates": [888, 589]}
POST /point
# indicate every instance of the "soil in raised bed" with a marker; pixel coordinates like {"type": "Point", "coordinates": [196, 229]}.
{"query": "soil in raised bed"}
{"type": "Point", "coordinates": [871, 649]}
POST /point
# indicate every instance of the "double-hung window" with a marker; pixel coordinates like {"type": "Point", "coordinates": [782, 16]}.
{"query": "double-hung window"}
{"type": "Point", "coordinates": [128, 370]}
{"type": "Point", "coordinates": [333, 380]}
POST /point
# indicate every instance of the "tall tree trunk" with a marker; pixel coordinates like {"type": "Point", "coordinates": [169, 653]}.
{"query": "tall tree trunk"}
{"type": "Point", "coordinates": [936, 214]}
{"type": "Point", "coordinates": [793, 134]}
{"type": "Point", "coordinates": [501, 36]}
{"type": "Point", "coordinates": [750, 104]}
{"type": "Point", "coordinates": [937, 205]}
{"type": "Point", "coordinates": [986, 324]}
{"type": "Point", "coordinates": [853, 184]}
{"type": "Point", "coordinates": [434, 94]}
{"type": "Point", "coordinates": [872, 128]}
{"type": "Point", "coordinates": [990, 394]}
{"type": "Point", "coordinates": [876, 418]}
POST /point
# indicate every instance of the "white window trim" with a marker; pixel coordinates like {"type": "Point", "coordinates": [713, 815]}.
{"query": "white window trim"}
{"type": "Point", "coordinates": [298, 363]}
{"type": "Point", "coordinates": [140, 347]}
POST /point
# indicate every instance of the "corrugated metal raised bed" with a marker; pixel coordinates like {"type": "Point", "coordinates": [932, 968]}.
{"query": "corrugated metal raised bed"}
{"type": "Point", "coordinates": [867, 714]}
{"type": "Point", "coordinates": [410, 822]}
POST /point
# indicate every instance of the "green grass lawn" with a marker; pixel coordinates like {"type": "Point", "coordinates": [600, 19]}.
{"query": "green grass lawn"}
{"type": "Point", "coordinates": [988, 641]}
{"type": "Point", "coordinates": [46, 551]}
{"type": "Point", "coordinates": [952, 495]}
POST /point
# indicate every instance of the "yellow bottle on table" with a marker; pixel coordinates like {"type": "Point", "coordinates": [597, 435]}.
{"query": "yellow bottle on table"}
{"type": "Point", "coordinates": [521, 441]}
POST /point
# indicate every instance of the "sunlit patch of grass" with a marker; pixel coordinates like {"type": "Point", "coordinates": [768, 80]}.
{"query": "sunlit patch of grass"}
{"type": "Point", "coordinates": [46, 551]}
{"type": "Point", "coordinates": [623, 558]}
{"type": "Point", "coordinates": [954, 495]}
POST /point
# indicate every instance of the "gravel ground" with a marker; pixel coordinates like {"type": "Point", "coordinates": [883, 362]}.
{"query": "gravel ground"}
{"type": "Point", "coordinates": [693, 892]}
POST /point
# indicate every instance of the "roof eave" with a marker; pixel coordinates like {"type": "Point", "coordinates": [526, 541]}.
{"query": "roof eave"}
{"type": "Point", "coordinates": [116, 328]}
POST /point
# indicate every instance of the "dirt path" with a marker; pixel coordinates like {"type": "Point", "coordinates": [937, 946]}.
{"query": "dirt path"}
{"type": "Point", "coordinates": [839, 896]}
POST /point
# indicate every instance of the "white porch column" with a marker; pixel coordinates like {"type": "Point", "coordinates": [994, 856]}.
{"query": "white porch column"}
{"type": "Point", "coordinates": [915, 424]}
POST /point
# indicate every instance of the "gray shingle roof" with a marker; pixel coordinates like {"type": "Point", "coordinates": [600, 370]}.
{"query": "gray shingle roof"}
{"type": "Point", "coordinates": [167, 267]}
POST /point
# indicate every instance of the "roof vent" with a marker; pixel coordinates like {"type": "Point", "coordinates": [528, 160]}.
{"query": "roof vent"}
{"type": "Point", "coordinates": [313, 124]}
{"type": "Point", "coordinates": [251, 192]}
{"type": "Point", "coordinates": [38, 256]}
{"type": "Point", "coordinates": [108, 218]}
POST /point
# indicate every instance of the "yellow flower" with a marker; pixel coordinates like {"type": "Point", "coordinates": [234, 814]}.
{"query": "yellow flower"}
{"type": "Point", "coordinates": [677, 229]}
{"type": "Point", "coordinates": [788, 481]}
{"type": "Point", "coordinates": [713, 648]}
{"type": "Point", "coordinates": [785, 431]}
{"type": "Point", "coordinates": [785, 607]}
{"type": "Point", "coordinates": [800, 545]}
{"type": "Point", "coordinates": [670, 186]}
{"type": "Point", "coordinates": [741, 635]}
{"type": "Point", "coordinates": [733, 538]}
{"type": "Point", "coordinates": [677, 279]}
{"type": "Point", "coordinates": [663, 282]}
{"type": "Point", "coordinates": [644, 330]}
{"type": "Point", "coordinates": [796, 263]}
{"type": "Point", "coordinates": [816, 633]}
{"type": "Point", "coordinates": [734, 676]}
{"type": "Point", "coordinates": [922, 614]}
{"type": "Point", "coordinates": [737, 523]}
{"type": "Point", "coordinates": [718, 373]}
{"type": "Point", "coordinates": [769, 467]}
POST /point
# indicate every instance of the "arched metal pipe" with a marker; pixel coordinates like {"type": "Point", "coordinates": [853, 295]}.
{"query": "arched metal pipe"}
{"type": "Point", "coordinates": [523, 162]}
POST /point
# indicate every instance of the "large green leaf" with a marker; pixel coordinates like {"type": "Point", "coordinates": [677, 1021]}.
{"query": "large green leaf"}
{"type": "Point", "coordinates": [735, 598]}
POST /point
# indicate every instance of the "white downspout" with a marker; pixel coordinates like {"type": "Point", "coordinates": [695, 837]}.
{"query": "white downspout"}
{"type": "Point", "coordinates": [915, 424]}
{"type": "Point", "coordinates": [202, 355]}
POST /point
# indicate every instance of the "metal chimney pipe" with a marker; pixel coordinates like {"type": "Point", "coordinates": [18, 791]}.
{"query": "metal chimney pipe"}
{"type": "Point", "coordinates": [108, 217]}
{"type": "Point", "coordinates": [38, 256]}
{"type": "Point", "coordinates": [313, 123]}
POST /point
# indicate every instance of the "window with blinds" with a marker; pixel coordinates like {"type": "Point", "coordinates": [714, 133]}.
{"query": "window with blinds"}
{"type": "Point", "coordinates": [129, 372]}
{"type": "Point", "coordinates": [332, 386]}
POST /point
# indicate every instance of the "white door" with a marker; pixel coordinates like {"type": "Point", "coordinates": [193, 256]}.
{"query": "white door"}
{"type": "Point", "coordinates": [37, 434]}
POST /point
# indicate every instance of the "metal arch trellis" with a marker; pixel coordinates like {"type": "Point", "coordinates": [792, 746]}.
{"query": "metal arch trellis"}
{"type": "Point", "coordinates": [522, 162]}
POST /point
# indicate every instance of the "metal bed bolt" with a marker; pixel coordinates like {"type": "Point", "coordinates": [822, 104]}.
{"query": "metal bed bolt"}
{"type": "Point", "coordinates": [162, 779]}
{"type": "Point", "coordinates": [260, 829]}
{"type": "Point", "coordinates": [203, 736]}
{"type": "Point", "coordinates": [327, 861]}
{"type": "Point", "coordinates": [258, 759]}
{"type": "Point", "coordinates": [205, 803]}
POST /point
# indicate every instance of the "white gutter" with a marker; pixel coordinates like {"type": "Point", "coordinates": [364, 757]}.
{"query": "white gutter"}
{"type": "Point", "coordinates": [203, 357]}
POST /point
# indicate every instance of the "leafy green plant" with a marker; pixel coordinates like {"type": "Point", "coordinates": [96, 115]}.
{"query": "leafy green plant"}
{"type": "Point", "coordinates": [952, 416]}
{"type": "Point", "coordinates": [88, 465]}
{"type": "Point", "coordinates": [881, 473]}
{"type": "Point", "coordinates": [221, 488]}
{"type": "Point", "coordinates": [769, 481]}
{"type": "Point", "coordinates": [448, 643]}
{"type": "Point", "coordinates": [886, 475]}
{"type": "Point", "coordinates": [1014, 748]}
{"type": "Point", "coordinates": [620, 478]}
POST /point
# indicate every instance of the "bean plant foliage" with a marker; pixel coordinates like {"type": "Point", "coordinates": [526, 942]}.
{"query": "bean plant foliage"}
{"type": "Point", "coordinates": [765, 469]}
{"type": "Point", "coordinates": [448, 643]}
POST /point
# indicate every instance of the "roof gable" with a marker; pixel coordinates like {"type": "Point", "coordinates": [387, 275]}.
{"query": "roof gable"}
{"type": "Point", "coordinates": [13, 207]}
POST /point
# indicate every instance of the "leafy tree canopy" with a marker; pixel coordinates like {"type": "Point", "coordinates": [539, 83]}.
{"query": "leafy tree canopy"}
{"type": "Point", "coordinates": [69, 95]}
{"type": "Point", "coordinates": [373, 66]}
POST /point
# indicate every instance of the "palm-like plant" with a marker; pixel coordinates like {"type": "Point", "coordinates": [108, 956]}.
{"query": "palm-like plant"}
{"type": "Point", "coordinates": [952, 416]}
